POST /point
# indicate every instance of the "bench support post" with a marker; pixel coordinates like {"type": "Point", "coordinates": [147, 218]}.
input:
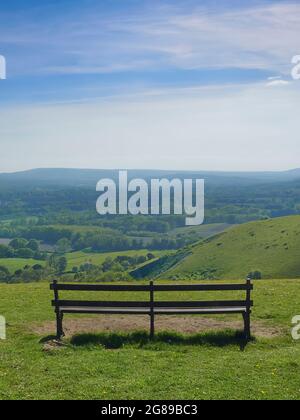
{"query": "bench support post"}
{"type": "Point", "coordinates": [59, 326]}
{"type": "Point", "coordinates": [247, 314]}
{"type": "Point", "coordinates": [247, 326]}
{"type": "Point", "coordinates": [59, 315]}
{"type": "Point", "coordinates": [152, 321]}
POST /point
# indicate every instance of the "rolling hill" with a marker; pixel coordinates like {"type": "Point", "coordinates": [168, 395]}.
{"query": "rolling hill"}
{"type": "Point", "coordinates": [68, 177]}
{"type": "Point", "coordinates": [270, 246]}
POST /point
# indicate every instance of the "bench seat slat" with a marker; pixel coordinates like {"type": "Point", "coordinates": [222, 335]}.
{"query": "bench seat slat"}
{"type": "Point", "coordinates": [140, 304]}
{"type": "Point", "coordinates": [157, 311]}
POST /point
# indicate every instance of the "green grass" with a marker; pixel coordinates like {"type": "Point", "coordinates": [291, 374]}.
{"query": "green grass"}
{"type": "Point", "coordinates": [13, 264]}
{"type": "Point", "coordinates": [270, 246]}
{"type": "Point", "coordinates": [75, 259]}
{"type": "Point", "coordinates": [128, 366]}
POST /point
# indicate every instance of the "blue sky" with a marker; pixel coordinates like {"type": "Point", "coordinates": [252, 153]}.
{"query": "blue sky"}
{"type": "Point", "coordinates": [90, 82]}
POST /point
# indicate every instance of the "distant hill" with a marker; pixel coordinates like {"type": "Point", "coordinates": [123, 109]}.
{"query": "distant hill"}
{"type": "Point", "coordinates": [270, 246]}
{"type": "Point", "coordinates": [89, 177]}
{"type": "Point", "coordinates": [230, 197]}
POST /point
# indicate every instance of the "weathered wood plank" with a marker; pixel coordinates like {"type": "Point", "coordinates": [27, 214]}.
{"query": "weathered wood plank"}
{"type": "Point", "coordinates": [101, 288]}
{"type": "Point", "coordinates": [147, 304]}
{"type": "Point", "coordinates": [157, 311]}
{"type": "Point", "coordinates": [156, 288]}
{"type": "Point", "coordinates": [201, 287]}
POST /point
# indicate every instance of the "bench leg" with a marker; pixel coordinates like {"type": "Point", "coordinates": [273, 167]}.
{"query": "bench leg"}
{"type": "Point", "coordinates": [59, 325]}
{"type": "Point", "coordinates": [247, 326]}
{"type": "Point", "coordinates": [152, 328]}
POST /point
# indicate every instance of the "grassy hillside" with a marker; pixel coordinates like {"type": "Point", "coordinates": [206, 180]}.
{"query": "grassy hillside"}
{"type": "Point", "coordinates": [270, 246]}
{"type": "Point", "coordinates": [124, 365]}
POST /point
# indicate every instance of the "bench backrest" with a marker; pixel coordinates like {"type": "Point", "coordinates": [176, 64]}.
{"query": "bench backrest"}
{"type": "Point", "coordinates": [151, 289]}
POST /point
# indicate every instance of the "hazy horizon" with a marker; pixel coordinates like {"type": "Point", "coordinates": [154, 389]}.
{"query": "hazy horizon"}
{"type": "Point", "coordinates": [145, 169]}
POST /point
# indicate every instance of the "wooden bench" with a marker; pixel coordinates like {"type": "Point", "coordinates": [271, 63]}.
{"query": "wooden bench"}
{"type": "Point", "coordinates": [152, 307]}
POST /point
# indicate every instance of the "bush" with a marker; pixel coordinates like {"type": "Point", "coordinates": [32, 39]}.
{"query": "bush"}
{"type": "Point", "coordinates": [63, 245]}
{"type": "Point", "coordinates": [141, 259]}
{"type": "Point", "coordinates": [24, 253]}
{"type": "Point", "coordinates": [37, 267]}
{"type": "Point", "coordinates": [255, 275]}
{"type": "Point", "coordinates": [4, 274]}
{"type": "Point", "coordinates": [150, 256]}
{"type": "Point", "coordinates": [18, 243]}
{"type": "Point", "coordinates": [42, 256]}
{"type": "Point", "coordinates": [18, 273]}
{"type": "Point", "coordinates": [6, 251]}
{"type": "Point", "coordinates": [62, 264]}
{"type": "Point", "coordinates": [33, 245]}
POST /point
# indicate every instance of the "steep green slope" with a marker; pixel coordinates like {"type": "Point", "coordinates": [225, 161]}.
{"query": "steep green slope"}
{"type": "Point", "coordinates": [270, 246]}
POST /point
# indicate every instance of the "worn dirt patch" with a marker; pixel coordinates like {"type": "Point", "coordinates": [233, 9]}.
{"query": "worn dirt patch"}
{"type": "Point", "coordinates": [188, 325]}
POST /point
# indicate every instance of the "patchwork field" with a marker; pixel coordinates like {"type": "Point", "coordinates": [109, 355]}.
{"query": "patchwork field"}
{"type": "Point", "coordinates": [13, 264]}
{"type": "Point", "coordinates": [113, 361]}
{"type": "Point", "coordinates": [81, 257]}
{"type": "Point", "coordinates": [75, 259]}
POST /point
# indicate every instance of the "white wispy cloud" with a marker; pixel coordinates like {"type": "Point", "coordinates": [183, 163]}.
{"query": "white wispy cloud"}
{"type": "Point", "coordinates": [241, 128]}
{"type": "Point", "coordinates": [278, 82]}
{"type": "Point", "coordinates": [260, 37]}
